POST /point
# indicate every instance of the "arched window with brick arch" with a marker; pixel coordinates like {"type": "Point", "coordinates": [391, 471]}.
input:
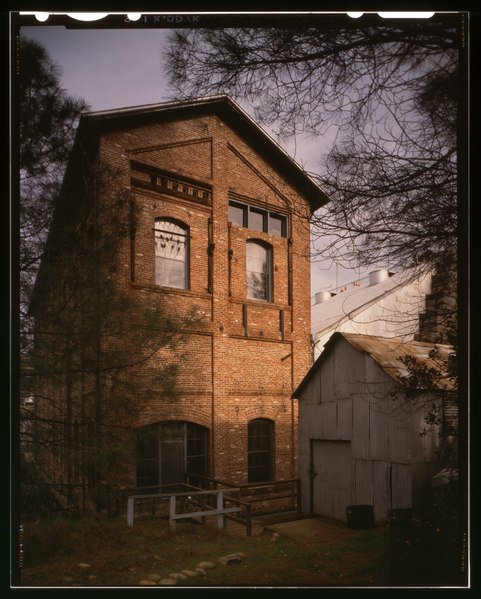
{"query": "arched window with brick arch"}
{"type": "Point", "coordinates": [171, 253]}
{"type": "Point", "coordinates": [260, 450]}
{"type": "Point", "coordinates": [259, 270]}
{"type": "Point", "coordinates": [167, 450]}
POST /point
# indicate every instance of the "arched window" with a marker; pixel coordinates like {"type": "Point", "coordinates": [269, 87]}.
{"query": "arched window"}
{"type": "Point", "coordinates": [260, 451]}
{"type": "Point", "coordinates": [171, 254]}
{"type": "Point", "coordinates": [259, 270]}
{"type": "Point", "coordinates": [167, 450]}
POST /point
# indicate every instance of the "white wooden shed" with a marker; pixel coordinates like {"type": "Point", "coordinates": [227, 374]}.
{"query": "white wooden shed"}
{"type": "Point", "coordinates": [359, 440]}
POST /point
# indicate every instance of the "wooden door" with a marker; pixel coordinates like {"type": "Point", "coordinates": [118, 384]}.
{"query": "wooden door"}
{"type": "Point", "coordinates": [332, 484]}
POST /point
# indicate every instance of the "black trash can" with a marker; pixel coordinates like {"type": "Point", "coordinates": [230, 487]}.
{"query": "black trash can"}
{"type": "Point", "coordinates": [360, 517]}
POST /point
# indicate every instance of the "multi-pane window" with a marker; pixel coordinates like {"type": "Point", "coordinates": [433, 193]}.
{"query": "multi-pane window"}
{"type": "Point", "coordinates": [243, 215]}
{"type": "Point", "coordinates": [167, 450]}
{"type": "Point", "coordinates": [260, 436]}
{"type": "Point", "coordinates": [196, 451]}
{"type": "Point", "coordinates": [237, 214]}
{"type": "Point", "coordinates": [257, 220]}
{"type": "Point", "coordinates": [259, 270]}
{"type": "Point", "coordinates": [171, 254]}
{"type": "Point", "coordinates": [277, 225]}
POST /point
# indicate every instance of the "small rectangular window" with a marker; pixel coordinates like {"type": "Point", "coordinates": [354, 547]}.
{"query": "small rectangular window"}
{"type": "Point", "coordinates": [257, 220]}
{"type": "Point", "coordinates": [237, 214]}
{"type": "Point", "coordinates": [277, 225]}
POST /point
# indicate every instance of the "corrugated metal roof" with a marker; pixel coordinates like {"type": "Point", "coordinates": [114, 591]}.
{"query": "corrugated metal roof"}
{"type": "Point", "coordinates": [389, 353]}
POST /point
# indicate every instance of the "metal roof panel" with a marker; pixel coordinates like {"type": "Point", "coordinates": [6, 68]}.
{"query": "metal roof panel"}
{"type": "Point", "coordinates": [389, 353]}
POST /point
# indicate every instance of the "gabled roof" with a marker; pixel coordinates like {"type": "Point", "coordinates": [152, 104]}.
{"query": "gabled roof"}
{"type": "Point", "coordinates": [92, 124]}
{"type": "Point", "coordinates": [230, 112]}
{"type": "Point", "coordinates": [346, 305]}
{"type": "Point", "coordinates": [388, 353]}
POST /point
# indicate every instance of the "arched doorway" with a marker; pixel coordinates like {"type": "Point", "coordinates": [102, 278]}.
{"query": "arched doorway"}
{"type": "Point", "coordinates": [166, 450]}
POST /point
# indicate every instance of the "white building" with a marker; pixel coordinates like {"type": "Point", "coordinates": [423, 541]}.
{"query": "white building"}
{"type": "Point", "coordinates": [387, 304]}
{"type": "Point", "coordinates": [359, 440]}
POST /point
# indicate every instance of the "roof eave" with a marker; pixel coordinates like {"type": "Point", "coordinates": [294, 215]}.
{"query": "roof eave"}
{"type": "Point", "coordinates": [392, 373]}
{"type": "Point", "coordinates": [222, 105]}
{"type": "Point", "coordinates": [317, 364]}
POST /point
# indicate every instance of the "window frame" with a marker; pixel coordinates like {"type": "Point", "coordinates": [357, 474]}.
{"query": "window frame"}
{"type": "Point", "coordinates": [242, 207]}
{"type": "Point", "coordinates": [269, 468]}
{"type": "Point", "coordinates": [263, 216]}
{"type": "Point", "coordinates": [270, 269]}
{"type": "Point", "coordinates": [283, 222]}
{"type": "Point", "coordinates": [185, 227]}
{"type": "Point", "coordinates": [147, 467]}
{"type": "Point", "coordinates": [266, 217]}
{"type": "Point", "coordinates": [155, 435]}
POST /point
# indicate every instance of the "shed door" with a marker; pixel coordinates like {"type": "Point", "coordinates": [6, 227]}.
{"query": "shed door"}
{"type": "Point", "coordinates": [332, 463]}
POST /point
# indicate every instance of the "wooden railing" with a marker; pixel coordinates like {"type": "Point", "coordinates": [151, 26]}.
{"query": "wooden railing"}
{"type": "Point", "coordinates": [265, 491]}
{"type": "Point", "coordinates": [241, 503]}
{"type": "Point", "coordinates": [194, 497]}
{"type": "Point", "coordinates": [244, 514]}
{"type": "Point", "coordinates": [117, 497]}
{"type": "Point", "coordinates": [285, 492]}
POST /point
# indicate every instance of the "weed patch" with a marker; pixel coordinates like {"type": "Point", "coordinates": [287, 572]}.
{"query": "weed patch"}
{"type": "Point", "coordinates": [97, 552]}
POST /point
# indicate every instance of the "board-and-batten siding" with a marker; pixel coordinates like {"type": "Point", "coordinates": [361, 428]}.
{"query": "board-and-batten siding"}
{"type": "Point", "coordinates": [351, 399]}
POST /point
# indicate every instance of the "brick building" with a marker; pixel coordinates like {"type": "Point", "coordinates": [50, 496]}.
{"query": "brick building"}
{"type": "Point", "coordinates": [215, 216]}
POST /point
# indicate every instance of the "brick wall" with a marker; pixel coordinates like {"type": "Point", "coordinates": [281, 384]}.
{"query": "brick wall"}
{"type": "Point", "coordinates": [229, 372]}
{"type": "Point", "coordinates": [238, 359]}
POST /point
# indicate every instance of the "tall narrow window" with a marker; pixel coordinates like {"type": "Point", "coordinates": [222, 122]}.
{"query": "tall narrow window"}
{"type": "Point", "coordinates": [260, 450]}
{"type": "Point", "coordinates": [259, 270]}
{"type": "Point", "coordinates": [171, 254]}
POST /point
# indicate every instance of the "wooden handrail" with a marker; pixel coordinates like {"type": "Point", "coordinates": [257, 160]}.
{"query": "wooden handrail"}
{"type": "Point", "coordinates": [244, 485]}
{"type": "Point", "coordinates": [228, 495]}
{"type": "Point", "coordinates": [220, 510]}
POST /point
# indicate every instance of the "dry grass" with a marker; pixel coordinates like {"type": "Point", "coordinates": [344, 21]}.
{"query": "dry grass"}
{"type": "Point", "coordinates": [120, 557]}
